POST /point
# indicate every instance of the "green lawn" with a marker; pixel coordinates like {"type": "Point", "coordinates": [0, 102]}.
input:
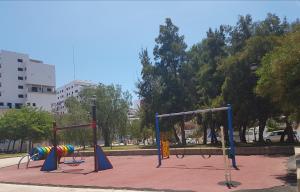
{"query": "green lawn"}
{"type": "Point", "coordinates": [3, 155]}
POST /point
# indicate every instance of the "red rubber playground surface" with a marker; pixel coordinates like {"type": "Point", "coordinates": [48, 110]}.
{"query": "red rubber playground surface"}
{"type": "Point", "coordinates": [192, 173]}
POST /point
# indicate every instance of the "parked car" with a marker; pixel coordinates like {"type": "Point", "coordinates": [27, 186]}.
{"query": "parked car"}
{"type": "Point", "coordinates": [275, 136]}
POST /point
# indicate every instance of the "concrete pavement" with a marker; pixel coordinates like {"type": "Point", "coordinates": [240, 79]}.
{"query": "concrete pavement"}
{"type": "Point", "coordinates": [9, 161]}
{"type": "Point", "coordinates": [34, 188]}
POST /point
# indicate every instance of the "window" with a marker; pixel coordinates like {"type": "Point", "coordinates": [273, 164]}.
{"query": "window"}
{"type": "Point", "coordinates": [33, 104]}
{"type": "Point", "coordinates": [0, 75]}
{"type": "Point", "coordinates": [1, 104]}
{"type": "Point", "coordinates": [25, 77]}
{"type": "Point", "coordinates": [0, 94]}
{"type": "Point", "coordinates": [20, 87]}
{"type": "Point", "coordinates": [20, 60]}
{"type": "Point", "coordinates": [28, 104]}
{"type": "Point", "coordinates": [0, 84]}
{"type": "Point", "coordinates": [0, 65]}
{"type": "Point", "coordinates": [34, 89]}
{"type": "Point", "coordinates": [20, 69]}
{"type": "Point", "coordinates": [20, 78]}
{"type": "Point", "coordinates": [49, 89]}
{"type": "Point", "coordinates": [18, 105]}
{"type": "Point", "coordinates": [76, 91]}
{"type": "Point", "coordinates": [25, 69]}
{"type": "Point", "coordinates": [9, 105]}
{"type": "Point", "coordinates": [21, 96]}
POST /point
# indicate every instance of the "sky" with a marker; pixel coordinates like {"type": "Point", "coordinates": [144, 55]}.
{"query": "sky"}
{"type": "Point", "coordinates": [107, 36]}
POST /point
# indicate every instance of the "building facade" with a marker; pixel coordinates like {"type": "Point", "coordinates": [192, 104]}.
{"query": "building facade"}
{"type": "Point", "coordinates": [71, 89]}
{"type": "Point", "coordinates": [25, 81]}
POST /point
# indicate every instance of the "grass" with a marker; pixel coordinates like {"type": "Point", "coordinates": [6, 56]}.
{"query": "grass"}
{"type": "Point", "coordinates": [4, 155]}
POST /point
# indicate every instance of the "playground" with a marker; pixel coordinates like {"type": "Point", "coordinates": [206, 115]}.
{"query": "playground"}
{"type": "Point", "coordinates": [192, 173]}
{"type": "Point", "coordinates": [63, 165]}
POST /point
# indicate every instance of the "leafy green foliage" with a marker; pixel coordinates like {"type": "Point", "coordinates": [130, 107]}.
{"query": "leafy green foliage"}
{"type": "Point", "coordinates": [112, 106]}
{"type": "Point", "coordinates": [221, 69]}
{"type": "Point", "coordinates": [26, 124]}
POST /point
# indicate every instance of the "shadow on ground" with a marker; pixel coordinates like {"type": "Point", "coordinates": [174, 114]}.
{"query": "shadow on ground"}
{"type": "Point", "coordinates": [284, 188]}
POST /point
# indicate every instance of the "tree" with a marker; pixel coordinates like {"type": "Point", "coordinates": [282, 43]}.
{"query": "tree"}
{"type": "Point", "coordinates": [112, 106]}
{"type": "Point", "coordinates": [26, 123]}
{"type": "Point", "coordinates": [161, 88]}
{"type": "Point", "coordinates": [242, 31]}
{"type": "Point", "coordinates": [149, 90]}
{"type": "Point", "coordinates": [271, 25]}
{"type": "Point", "coordinates": [204, 59]}
{"type": "Point", "coordinates": [76, 114]}
{"type": "Point", "coordinates": [279, 78]}
{"type": "Point", "coordinates": [240, 81]}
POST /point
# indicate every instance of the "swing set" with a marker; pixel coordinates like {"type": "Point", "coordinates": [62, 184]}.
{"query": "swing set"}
{"type": "Point", "coordinates": [161, 143]}
{"type": "Point", "coordinates": [163, 146]}
{"type": "Point", "coordinates": [101, 162]}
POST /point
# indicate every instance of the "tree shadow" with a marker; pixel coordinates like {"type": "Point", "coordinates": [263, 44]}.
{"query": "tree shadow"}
{"type": "Point", "coordinates": [195, 168]}
{"type": "Point", "coordinates": [289, 178]}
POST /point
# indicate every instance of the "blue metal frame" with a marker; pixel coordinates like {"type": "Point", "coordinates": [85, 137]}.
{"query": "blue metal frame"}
{"type": "Point", "coordinates": [231, 140]}
{"type": "Point", "coordinates": [158, 139]}
{"type": "Point", "coordinates": [230, 130]}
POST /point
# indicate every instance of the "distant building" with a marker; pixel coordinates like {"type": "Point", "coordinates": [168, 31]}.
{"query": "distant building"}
{"type": "Point", "coordinates": [71, 89]}
{"type": "Point", "coordinates": [25, 81]}
{"type": "Point", "coordinates": [132, 114]}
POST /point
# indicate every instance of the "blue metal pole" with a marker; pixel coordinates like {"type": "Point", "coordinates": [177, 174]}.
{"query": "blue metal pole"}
{"type": "Point", "coordinates": [231, 141]}
{"type": "Point", "coordinates": [158, 139]}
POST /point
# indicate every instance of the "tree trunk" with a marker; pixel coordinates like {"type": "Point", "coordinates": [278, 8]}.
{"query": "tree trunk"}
{"type": "Point", "coordinates": [31, 145]}
{"type": "Point", "coordinates": [204, 133]}
{"type": "Point", "coordinates": [240, 133]}
{"type": "Point", "coordinates": [182, 132]}
{"type": "Point", "coordinates": [106, 137]}
{"type": "Point", "coordinates": [21, 146]}
{"type": "Point", "coordinates": [244, 128]}
{"type": "Point", "coordinates": [290, 132]}
{"type": "Point", "coordinates": [176, 136]}
{"type": "Point", "coordinates": [13, 148]}
{"type": "Point", "coordinates": [226, 134]}
{"type": "Point", "coordinates": [262, 125]}
{"type": "Point", "coordinates": [8, 146]}
{"type": "Point", "coordinates": [214, 139]}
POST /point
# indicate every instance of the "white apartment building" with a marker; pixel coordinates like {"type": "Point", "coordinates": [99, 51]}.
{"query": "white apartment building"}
{"type": "Point", "coordinates": [71, 89]}
{"type": "Point", "coordinates": [25, 81]}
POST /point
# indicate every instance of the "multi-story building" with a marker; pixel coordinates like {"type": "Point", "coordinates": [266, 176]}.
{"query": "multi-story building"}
{"type": "Point", "coordinates": [25, 81]}
{"type": "Point", "coordinates": [71, 89]}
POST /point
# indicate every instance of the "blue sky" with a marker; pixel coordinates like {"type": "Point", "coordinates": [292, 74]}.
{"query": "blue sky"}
{"type": "Point", "coordinates": [107, 36]}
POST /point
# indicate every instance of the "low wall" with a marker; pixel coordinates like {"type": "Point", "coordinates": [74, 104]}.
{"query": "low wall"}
{"type": "Point", "coordinates": [268, 150]}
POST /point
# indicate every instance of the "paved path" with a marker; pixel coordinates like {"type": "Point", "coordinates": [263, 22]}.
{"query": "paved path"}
{"type": "Point", "coordinates": [9, 161]}
{"type": "Point", "coordinates": [33, 188]}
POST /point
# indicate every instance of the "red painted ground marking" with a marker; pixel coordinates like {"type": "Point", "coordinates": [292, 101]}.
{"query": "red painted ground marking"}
{"type": "Point", "coordinates": [139, 172]}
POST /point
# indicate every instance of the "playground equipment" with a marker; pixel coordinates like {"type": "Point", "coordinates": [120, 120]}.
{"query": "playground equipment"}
{"type": "Point", "coordinates": [40, 153]}
{"type": "Point", "coordinates": [101, 162]}
{"type": "Point", "coordinates": [227, 173]}
{"type": "Point", "coordinates": [202, 111]}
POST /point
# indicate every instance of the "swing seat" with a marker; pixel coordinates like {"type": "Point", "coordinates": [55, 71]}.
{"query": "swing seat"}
{"type": "Point", "coordinates": [74, 162]}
